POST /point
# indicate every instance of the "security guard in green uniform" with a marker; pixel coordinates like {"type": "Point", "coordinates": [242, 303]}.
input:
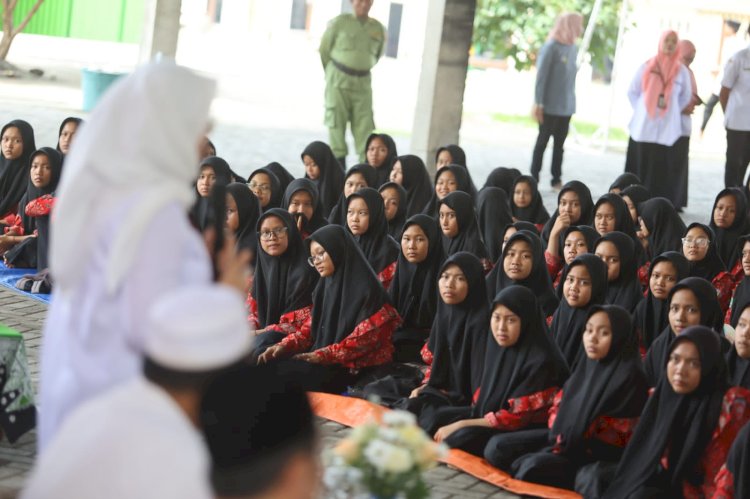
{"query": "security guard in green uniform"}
{"type": "Point", "coordinates": [351, 46]}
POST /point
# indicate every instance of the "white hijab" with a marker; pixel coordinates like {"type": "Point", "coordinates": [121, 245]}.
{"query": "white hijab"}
{"type": "Point", "coordinates": [141, 139]}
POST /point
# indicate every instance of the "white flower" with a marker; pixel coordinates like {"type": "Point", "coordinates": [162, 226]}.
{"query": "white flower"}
{"type": "Point", "coordinates": [388, 458]}
{"type": "Point", "coordinates": [399, 418]}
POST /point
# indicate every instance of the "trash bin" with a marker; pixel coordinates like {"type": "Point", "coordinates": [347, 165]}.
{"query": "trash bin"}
{"type": "Point", "coordinates": [94, 83]}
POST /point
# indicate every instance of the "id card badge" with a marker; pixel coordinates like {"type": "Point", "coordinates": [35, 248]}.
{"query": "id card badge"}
{"type": "Point", "coordinates": [661, 103]}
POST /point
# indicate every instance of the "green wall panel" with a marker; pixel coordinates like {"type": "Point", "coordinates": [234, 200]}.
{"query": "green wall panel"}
{"type": "Point", "coordinates": [52, 18]}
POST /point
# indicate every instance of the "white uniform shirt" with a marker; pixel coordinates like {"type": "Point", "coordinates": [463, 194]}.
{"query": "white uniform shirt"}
{"type": "Point", "coordinates": [737, 78]}
{"type": "Point", "coordinates": [132, 442]}
{"type": "Point", "coordinates": [92, 339]}
{"type": "Point", "coordinates": [666, 129]}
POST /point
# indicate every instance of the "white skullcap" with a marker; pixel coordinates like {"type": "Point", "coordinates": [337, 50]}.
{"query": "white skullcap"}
{"type": "Point", "coordinates": [198, 328]}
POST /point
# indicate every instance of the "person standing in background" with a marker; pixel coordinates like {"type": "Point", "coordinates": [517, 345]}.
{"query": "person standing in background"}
{"type": "Point", "coordinates": [351, 45]}
{"type": "Point", "coordinates": [682, 146]}
{"type": "Point", "coordinates": [735, 101]}
{"type": "Point", "coordinates": [554, 95]}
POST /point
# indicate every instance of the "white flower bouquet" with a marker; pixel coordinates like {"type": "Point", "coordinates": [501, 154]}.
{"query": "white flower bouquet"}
{"type": "Point", "coordinates": [383, 460]}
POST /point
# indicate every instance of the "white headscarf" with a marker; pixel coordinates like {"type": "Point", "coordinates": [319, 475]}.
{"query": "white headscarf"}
{"type": "Point", "coordinates": [141, 139]}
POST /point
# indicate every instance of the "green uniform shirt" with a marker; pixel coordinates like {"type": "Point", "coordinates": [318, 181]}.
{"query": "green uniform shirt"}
{"type": "Point", "coordinates": [352, 43]}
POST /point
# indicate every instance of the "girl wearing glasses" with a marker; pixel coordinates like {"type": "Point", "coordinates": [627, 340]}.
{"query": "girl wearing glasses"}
{"type": "Point", "coordinates": [699, 247]}
{"type": "Point", "coordinates": [266, 187]}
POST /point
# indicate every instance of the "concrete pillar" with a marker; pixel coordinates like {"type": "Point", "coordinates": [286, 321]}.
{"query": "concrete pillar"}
{"type": "Point", "coordinates": [437, 117]}
{"type": "Point", "coordinates": [161, 28]}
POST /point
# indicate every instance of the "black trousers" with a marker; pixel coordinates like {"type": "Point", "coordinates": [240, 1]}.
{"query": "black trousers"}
{"type": "Point", "coordinates": [738, 157]}
{"type": "Point", "coordinates": [709, 109]}
{"type": "Point", "coordinates": [557, 128]}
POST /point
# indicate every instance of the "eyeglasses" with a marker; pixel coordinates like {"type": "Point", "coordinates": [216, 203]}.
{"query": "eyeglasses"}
{"type": "Point", "coordinates": [260, 187]}
{"type": "Point", "coordinates": [277, 233]}
{"type": "Point", "coordinates": [700, 242]}
{"type": "Point", "coordinates": [316, 258]}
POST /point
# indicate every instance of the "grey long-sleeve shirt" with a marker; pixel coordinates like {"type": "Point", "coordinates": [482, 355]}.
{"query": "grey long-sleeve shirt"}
{"type": "Point", "coordinates": [556, 78]}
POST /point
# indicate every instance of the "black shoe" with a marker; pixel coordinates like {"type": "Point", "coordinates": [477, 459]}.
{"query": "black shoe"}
{"type": "Point", "coordinates": [342, 162]}
{"type": "Point", "coordinates": [557, 185]}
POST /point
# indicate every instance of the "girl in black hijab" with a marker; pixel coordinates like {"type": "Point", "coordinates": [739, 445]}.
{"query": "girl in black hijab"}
{"type": "Point", "coordinates": [454, 155]}
{"type": "Point", "coordinates": [692, 302]}
{"type": "Point", "coordinates": [448, 179]}
{"type": "Point", "coordinates": [612, 214]}
{"type": "Point", "coordinates": [322, 167]}
{"type": "Point", "coordinates": [651, 314]}
{"type": "Point", "coordinates": [352, 320]}
{"type": "Point", "coordinates": [213, 170]}
{"type": "Point", "coordinates": [25, 243]}
{"type": "Point", "coordinates": [414, 287]}
{"type": "Point", "coordinates": [503, 178]}
{"type": "Point", "coordinates": [282, 174]}
{"type": "Point", "coordinates": [380, 150]}
{"type": "Point", "coordinates": [280, 301]}
{"type": "Point", "coordinates": [494, 216]}
{"type": "Point", "coordinates": [356, 178]}
{"type": "Point", "coordinates": [574, 207]}
{"type": "Point", "coordinates": [522, 263]}
{"type": "Point", "coordinates": [243, 211]}
{"type": "Point", "coordinates": [526, 202]}
{"type": "Point", "coordinates": [624, 181]}
{"type": "Point", "coordinates": [458, 222]}
{"type": "Point", "coordinates": [394, 200]}
{"type": "Point", "coordinates": [302, 201]}
{"type": "Point", "coordinates": [660, 226]}
{"type": "Point", "coordinates": [267, 188]}
{"type": "Point", "coordinates": [684, 434]}
{"type": "Point", "coordinates": [596, 411]}
{"type": "Point", "coordinates": [738, 357]}
{"type": "Point", "coordinates": [457, 341]}
{"type": "Point", "coordinates": [729, 221]}
{"type": "Point", "coordinates": [574, 240]}
{"type": "Point", "coordinates": [699, 247]}
{"type": "Point", "coordinates": [634, 196]}
{"type": "Point", "coordinates": [523, 369]}
{"type": "Point", "coordinates": [16, 144]}
{"type": "Point", "coordinates": [741, 293]}
{"type": "Point", "coordinates": [583, 285]}
{"type": "Point", "coordinates": [68, 129]}
{"type": "Point", "coordinates": [617, 250]}
{"type": "Point", "coordinates": [366, 222]}
{"type": "Point", "coordinates": [410, 172]}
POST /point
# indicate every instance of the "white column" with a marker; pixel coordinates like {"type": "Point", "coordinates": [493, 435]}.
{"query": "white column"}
{"type": "Point", "coordinates": [161, 28]}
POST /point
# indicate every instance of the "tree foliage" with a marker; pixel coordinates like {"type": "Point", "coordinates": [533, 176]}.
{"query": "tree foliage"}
{"type": "Point", "coordinates": [518, 28]}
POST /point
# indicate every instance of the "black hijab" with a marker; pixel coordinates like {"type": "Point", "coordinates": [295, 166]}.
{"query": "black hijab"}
{"type": "Point", "coordinates": [458, 336]}
{"type": "Point", "coordinates": [652, 315]}
{"type": "Point", "coordinates": [624, 181]}
{"type": "Point", "coordinates": [535, 213]}
{"type": "Point", "coordinates": [739, 368]}
{"type": "Point", "coordinates": [416, 181]}
{"type": "Point", "coordinates": [712, 264]}
{"type": "Point", "coordinates": [589, 234]}
{"type": "Point", "coordinates": [538, 280]}
{"type": "Point", "coordinates": [413, 290]}
{"type": "Point", "coordinates": [494, 217]}
{"type": "Point", "coordinates": [277, 194]}
{"type": "Point", "coordinates": [624, 291]}
{"type": "Point", "coordinates": [338, 213]}
{"type": "Point", "coordinates": [352, 294]}
{"type": "Point", "coordinates": [587, 207]}
{"type": "Point", "coordinates": [458, 156]}
{"type": "Point", "coordinates": [383, 172]}
{"type": "Point", "coordinates": [503, 178]}
{"type": "Point", "coordinates": [727, 240]}
{"type": "Point", "coordinates": [200, 211]}
{"type": "Point", "coordinates": [711, 317]}
{"type": "Point", "coordinates": [742, 291]}
{"type": "Point", "coordinates": [614, 386]}
{"type": "Point", "coordinates": [531, 365]}
{"type": "Point", "coordinates": [307, 185]}
{"type": "Point", "coordinates": [396, 224]}
{"type": "Point", "coordinates": [379, 248]}
{"type": "Point", "coordinates": [623, 220]}
{"type": "Point", "coordinates": [248, 210]}
{"type": "Point", "coordinates": [568, 323]}
{"type": "Point", "coordinates": [14, 173]}
{"type": "Point", "coordinates": [684, 424]}
{"type": "Point", "coordinates": [463, 182]}
{"type": "Point", "coordinates": [282, 174]}
{"type": "Point", "coordinates": [468, 237]}
{"type": "Point", "coordinates": [330, 182]}
{"type": "Point", "coordinates": [69, 119]}
{"type": "Point", "coordinates": [637, 195]}
{"type": "Point", "coordinates": [55, 160]}
{"type": "Point", "coordinates": [283, 283]}
{"type": "Point", "coordinates": [665, 226]}
{"type": "Point", "coordinates": [738, 462]}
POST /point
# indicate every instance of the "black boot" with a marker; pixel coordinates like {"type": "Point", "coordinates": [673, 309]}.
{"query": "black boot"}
{"type": "Point", "coordinates": [342, 161]}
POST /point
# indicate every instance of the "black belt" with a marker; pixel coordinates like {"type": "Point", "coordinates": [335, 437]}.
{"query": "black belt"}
{"type": "Point", "coordinates": [350, 71]}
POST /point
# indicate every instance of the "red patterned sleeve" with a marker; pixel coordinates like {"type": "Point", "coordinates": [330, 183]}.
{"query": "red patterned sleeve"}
{"type": "Point", "coordinates": [386, 276]}
{"type": "Point", "coordinates": [293, 321]}
{"type": "Point", "coordinates": [368, 345]}
{"type": "Point", "coordinates": [252, 311]}
{"type": "Point", "coordinates": [523, 411]}
{"type": "Point", "coordinates": [737, 273]}
{"type": "Point", "coordinates": [643, 275]}
{"type": "Point", "coordinates": [300, 341]}
{"type": "Point", "coordinates": [15, 226]}
{"type": "Point", "coordinates": [724, 486]}
{"type": "Point", "coordinates": [724, 285]}
{"type": "Point", "coordinates": [554, 409]}
{"type": "Point", "coordinates": [554, 263]}
{"type": "Point", "coordinates": [427, 359]}
{"type": "Point", "coordinates": [612, 431]}
{"type": "Point", "coordinates": [40, 206]}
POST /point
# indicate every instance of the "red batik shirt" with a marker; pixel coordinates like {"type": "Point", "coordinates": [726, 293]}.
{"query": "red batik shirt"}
{"type": "Point", "coordinates": [522, 411]}
{"type": "Point", "coordinates": [290, 322]}
{"type": "Point", "coordinates": [386, 275]}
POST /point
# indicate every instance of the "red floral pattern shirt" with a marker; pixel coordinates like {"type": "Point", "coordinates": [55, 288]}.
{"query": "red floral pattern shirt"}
{"type": "Point", "coordinates": [387, 274]}
{"type": "Point", "coordinates": [522, 411]}
{"type": "Point", "coordinates": [290, 322]}
{"type": "Point", "coordinates": [724, 284]}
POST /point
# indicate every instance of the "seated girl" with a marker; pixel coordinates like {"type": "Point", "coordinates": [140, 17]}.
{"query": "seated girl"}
{"type": "Point", "coordinates": [687, 426]}
{"type": "Point", "coordinates": [522, 371]}
{"type": "Point", "coordinates": [448, 179]}
{"type": "Point", "coordinates": [302, 201]}
{"type": "Point", "coordinates": [282, 174]}
{"type": "Point", "coordinates": [352, 321]}
{"type": "Point", "coordinates": [729, 222]}
{"type": "Point", "coordinates": [365, 220]}
{"type": "Point", "coordinates": [503, 178]}
{"type": "Point", "coordinates": [68, 129]}
{"type": "Point", "coordinates": [280, 301]}
{"type": "Point", "coordinates": [573, 241]}
{"type": "Point", "coordinates": [394, 201]}
{"type": "Point", "coordinates": [381, 153]}
{"type": "Point", "coordinates": [594, 415]}
{"type": "Point", "coordinates": [17, 145]}
{"type": "Point", "coordinates": [617, 250]}
{"type": "Point", "coordinates": [357, 177]}
{"type": "Point", "coordinates": [266, 187]}
{"type": "Point", "coordinates": [243, 210]}
{"type": "Point", "coordinates": [699, 247]}
{"type": "Point", "coordinates": [741, 293]}
{"type": "Point", "coordinates": [611, 214]}
{"type": "Point", "coordinates": [633, 197]}
{"type": "Point", "coordinates": [493, 215]}
{"type": "Point", "coordinates": [458, 221]}
{"type": "Point", "coordinates": [738, 357]}
{"type": "Point", "coordinates": [454, 155]}
{"type": "Point", "coordinates": [623, 181]}
{"type": "Point", "coordinates": [574, 207]}
{"type": "Point", "coordinates": [213, 169]}
{"type": "Point", "coordinates": [526, 203]}
{"type": "Point", "coordinates": [410, 173]}
{"type": "Point", "coordinates": [324, 170]}
{"type": "Point", "coordinates": [522, 263]}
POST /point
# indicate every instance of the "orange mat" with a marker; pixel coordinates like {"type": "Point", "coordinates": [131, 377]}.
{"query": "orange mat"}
{"type": "Point", "coordinates": [351, 411]}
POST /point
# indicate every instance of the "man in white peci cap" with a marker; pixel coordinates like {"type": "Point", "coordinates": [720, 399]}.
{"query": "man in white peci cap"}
{"type": "Point", "coordinates": [140, 439]}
